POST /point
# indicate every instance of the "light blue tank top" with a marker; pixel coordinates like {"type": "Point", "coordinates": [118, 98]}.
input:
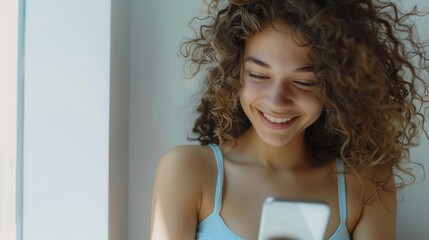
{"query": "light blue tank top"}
{"type": "Point", "coordinates": [214, 228]}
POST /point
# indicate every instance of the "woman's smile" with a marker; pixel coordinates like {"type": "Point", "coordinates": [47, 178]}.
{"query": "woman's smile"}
{"type": "Point", "coordinates": [277, 123]}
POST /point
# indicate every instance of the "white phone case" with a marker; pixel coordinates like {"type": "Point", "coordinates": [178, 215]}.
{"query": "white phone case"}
{"type": "Point", "coordinates": [293, 219]}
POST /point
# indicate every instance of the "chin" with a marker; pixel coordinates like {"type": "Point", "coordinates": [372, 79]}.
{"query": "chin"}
{"type": "Point", "coordinates": [276, 142]}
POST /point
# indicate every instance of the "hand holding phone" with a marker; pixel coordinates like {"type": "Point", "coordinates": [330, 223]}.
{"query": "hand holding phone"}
{"type": "Point", "coordinates": [293, 219]}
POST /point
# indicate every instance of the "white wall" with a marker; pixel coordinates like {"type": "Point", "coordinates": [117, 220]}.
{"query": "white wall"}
{"type": "Point", "coordinates": [76, 102]}
{"type": "Point", "coordinates": [157, 112]}
{"type": "Point", "coordinates": [66, 120]}
{"type": "Point", "coordinates": [8, 116]}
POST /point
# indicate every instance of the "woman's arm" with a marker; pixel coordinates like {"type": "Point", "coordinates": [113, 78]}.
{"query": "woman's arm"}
{"type": "Point", "coordinates": [177, 196]}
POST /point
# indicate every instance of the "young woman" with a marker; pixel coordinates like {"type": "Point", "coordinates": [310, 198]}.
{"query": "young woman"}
{"type": "Point", "coordinates": [312, 100]}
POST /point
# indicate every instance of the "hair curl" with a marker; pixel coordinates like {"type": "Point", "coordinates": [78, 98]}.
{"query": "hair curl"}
{"type": "Point", "coordinates": [368, 59]}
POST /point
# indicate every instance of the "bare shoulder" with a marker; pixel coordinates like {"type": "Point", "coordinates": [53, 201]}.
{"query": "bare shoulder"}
{"type": "Point", "coordinates": [188, 151]}
{"type": "Point", "coordinates": [378, 184]}
{"type": "Point", "coordinates": [377, 203]}
{"type": "Point", "coordinates": [186, 159]}
{"type": "Point", "coordinates": [188, 165]}
{"type": "Point", "coordinates": [179, 185]}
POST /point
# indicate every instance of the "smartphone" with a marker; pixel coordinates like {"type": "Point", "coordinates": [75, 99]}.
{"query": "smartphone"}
{"type": "Point", "coordinates": [286, 219]}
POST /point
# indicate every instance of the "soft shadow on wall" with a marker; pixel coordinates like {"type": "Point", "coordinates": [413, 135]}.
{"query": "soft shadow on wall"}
{"type": "Point", "coordinates": [159, 97]}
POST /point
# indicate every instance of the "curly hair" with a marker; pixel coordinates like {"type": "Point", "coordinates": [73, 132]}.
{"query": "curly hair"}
{"type": "Point", "coordinates": [368, 59]}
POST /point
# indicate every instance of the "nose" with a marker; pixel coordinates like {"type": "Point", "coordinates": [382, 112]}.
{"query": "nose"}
{"type": "Point", "coordinates": [279, 94]}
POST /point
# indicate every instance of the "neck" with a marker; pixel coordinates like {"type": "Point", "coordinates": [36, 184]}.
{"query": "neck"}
{"type": "Point", "coordinates": [295, 155]}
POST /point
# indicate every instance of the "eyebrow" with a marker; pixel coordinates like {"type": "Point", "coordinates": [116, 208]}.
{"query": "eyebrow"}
{"type": "Point", "coordinates": [265, 65]}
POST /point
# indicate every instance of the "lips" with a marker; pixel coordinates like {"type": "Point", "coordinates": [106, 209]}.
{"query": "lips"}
{"type": "Point", "coordinates": [276, 122]}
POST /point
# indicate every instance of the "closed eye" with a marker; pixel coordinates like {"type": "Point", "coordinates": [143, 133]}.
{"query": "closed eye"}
{"type": "Point", "coordinates": [257, 77]}
{"type": "Point", "coordinates": [307, 84]}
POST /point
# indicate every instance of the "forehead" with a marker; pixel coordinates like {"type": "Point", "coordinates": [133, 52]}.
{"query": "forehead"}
{"type": "Point", "coordinates": [277, 44]}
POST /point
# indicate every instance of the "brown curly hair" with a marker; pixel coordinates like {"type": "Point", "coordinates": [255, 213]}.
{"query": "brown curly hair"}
{"type": "Point", "coordinates": [368, 59]}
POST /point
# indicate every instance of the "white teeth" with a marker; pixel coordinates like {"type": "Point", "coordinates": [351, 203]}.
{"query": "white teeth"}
{"type": "Point", "coordinates": [276, 120]}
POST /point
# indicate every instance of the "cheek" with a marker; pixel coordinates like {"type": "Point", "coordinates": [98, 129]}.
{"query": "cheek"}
{"type": "Point", "coordinates": [245, 95]}
{"type": "Point", "coordinates": [313, 105]}
{"type": "Point", "coordinates": [320, 110]}
{"type": "Point", "coordinates": [250, 91]}
{"type": "Point", "coordinates": [246, 99]}
{"type": "Point", "coordinates": [318, 102]}
{"type": "Point", "coordinates": [317, 107]}
{"type": "Point", "coordinates": [243, 99]}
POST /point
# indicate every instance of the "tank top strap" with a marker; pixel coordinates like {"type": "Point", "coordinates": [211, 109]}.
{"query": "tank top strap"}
{"type": "Point", "coordinates": [342, 194]}
{"type": "Point", "coordinates": [219, 183]}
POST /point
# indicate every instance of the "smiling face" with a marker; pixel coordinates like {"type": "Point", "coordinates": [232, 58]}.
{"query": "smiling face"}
{"type": "Point", "coordinates": [279, 92]}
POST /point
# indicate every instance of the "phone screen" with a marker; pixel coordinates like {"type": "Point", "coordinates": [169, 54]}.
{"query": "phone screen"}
{"type": "Point", "coordinates": [293, 219]}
